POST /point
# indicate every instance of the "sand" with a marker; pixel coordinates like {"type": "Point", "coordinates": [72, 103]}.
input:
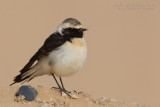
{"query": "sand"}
{"type": "Point", "coordinates": [53, 98]}
{"type": "Point", "coordinates": [123, 60]}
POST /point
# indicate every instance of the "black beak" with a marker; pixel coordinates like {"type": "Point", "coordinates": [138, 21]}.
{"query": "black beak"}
{"type": "Point", "coordinates": [84, 29]}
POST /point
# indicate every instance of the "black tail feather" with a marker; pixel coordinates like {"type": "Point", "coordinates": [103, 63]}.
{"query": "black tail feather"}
{"type": "Point", "coordinates": [19, 78]}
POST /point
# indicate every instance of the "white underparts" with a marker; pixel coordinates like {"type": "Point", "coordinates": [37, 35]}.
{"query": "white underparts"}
{"type": "Point", "coordinates": [69, 58]}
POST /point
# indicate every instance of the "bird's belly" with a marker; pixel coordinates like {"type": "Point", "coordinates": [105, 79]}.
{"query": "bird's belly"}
{"type": "Point", "coordinates": [68, 59]}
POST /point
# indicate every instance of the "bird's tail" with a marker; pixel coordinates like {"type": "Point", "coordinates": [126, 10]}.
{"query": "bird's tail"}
{"type": "Point", "coordinates": [28, 75]}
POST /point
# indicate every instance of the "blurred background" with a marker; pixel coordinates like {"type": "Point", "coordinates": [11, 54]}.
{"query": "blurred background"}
{"type": "Point", "coordinates": [123, 45]}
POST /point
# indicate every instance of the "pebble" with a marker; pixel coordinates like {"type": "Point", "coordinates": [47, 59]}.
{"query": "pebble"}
{"type": "Point", "coordinates": [28, 92]}
{"type": "Point", "coordinates": [104, 98]}
{"type": "Point", "coordinates": [39, 100]}
{"type": "Point", "coordinates": [50, 99]}
{"type": "Point", "coordinates": [19, 98]}
{"type": "Point", "coordinates": [64, 94]}
{"type": "Point", "coordinates": [112, 99]}
{"type": "Point", "coordinates": [58, 103]}
{"type": "Point", "coordinates": [74, 95]}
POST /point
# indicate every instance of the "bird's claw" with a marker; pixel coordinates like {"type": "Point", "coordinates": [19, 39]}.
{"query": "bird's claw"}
{"type": "Point", "coordinates": [66, 92]}
{"type": "Point", "coordinates": [62, 91]}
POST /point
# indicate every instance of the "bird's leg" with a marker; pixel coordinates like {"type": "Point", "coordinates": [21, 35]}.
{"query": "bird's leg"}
{"type": "Point", "coordinates": [59, 87]}
{"type": "Point", "coordinates": [63, 85]}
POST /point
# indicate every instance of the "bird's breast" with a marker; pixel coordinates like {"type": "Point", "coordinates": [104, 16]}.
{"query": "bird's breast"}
{"type": "Point", "coordinates": [68, 58]}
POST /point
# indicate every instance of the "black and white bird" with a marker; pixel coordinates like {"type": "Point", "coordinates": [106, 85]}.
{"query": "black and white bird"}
{"type": "Point", "coordinates": [63, 53]}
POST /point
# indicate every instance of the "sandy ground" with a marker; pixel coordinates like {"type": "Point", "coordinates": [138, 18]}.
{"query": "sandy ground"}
{"type": "Point", "coordinates": [53, 98]}
{"type": "Point", "coordinates": [123, 60]}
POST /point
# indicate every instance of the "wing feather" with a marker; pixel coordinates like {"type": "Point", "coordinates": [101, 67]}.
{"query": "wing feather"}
{"type": "Point", "coordinates": [52, 42]}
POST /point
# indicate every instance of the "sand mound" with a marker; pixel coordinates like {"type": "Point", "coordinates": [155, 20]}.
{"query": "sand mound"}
{"type": "Point", "coordinates": [53, 98]}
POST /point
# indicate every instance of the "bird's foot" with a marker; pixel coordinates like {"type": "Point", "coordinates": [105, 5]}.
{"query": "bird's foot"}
{"type": "Point", "coordinates": [66, 92]}
{"type": "Point", "coordinates": [62, 91]}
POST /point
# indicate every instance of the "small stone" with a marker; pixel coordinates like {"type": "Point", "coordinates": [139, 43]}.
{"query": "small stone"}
{"type": "Point", "coordinates": [112, 99]}
{"type": "Point", "coordinates": [28, 92]}
{"type": "Point", "coordinates": [74, 95]}
{"type": "Point", "coordinates": [91, 102]}
{"type": "Point", "coordinates": [103, 98]}
{"type": "Point", "coordinates": [64, 94]}
{"type": "Point", "coordinates": [23, 102]}
{"type": "Point", "coordinates": [39, 100]}
{"type": "Point", "coordinates": [51, 99]}
{"type": "Point", "coordinates": [58, 103]}
{"type": "Point", "coordinates": [82, 93]}
{"type": "Point", "coordinates": [19, 98]}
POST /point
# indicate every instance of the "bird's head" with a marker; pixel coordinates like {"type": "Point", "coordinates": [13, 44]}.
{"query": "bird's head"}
{"type": "Point", "coordinates": [70, 26]}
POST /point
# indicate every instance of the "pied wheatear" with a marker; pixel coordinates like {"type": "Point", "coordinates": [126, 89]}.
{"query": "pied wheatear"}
{"type": "Point", "coordinates": [63, 53]}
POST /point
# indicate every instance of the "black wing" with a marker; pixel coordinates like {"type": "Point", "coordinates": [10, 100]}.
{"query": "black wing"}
{"type": "Point", "coordinates": [52, 42]}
